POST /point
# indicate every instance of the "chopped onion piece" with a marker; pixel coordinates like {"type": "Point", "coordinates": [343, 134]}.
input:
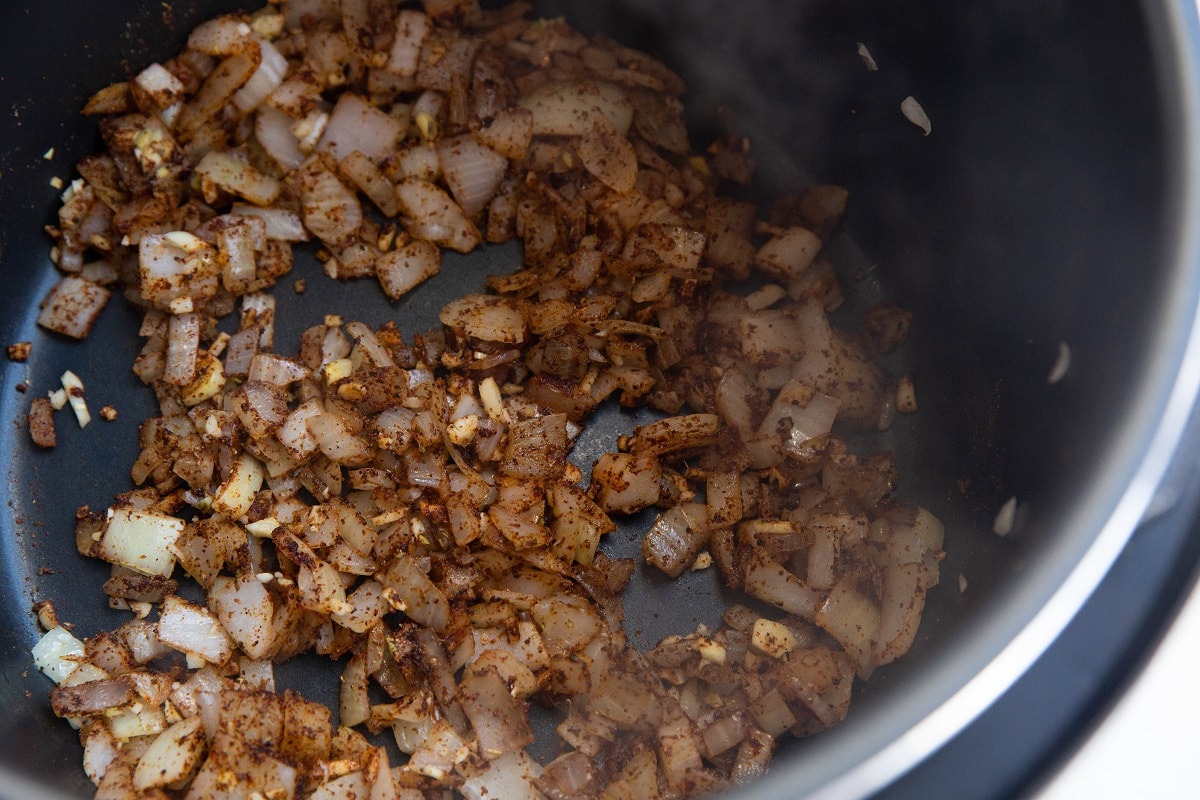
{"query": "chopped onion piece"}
{"type": "Point", "coordinates": [915, 114]}
{"type": "Point", "coordinates": [472, 171]}
{"type": "Point", "coordinates": [72, 306]}
{"type": "Point", "coordinates": [403, 269]}
{"type": "Point", "coordinates": [266, 79]}
{"type": "Point", "coordinates": [58, 653]}
{"type": "Point", "coordinates": [771, 583]}
{"type": "Point", "coordinates": [273, 129]}
{"type": "Point", "coordinates": [571, 109]}
{"type": "Point", "coordinates": [222, 36]}
{"type": "Point", "coordinates": [1005, 518]}
{"type": "Point", "coordinates": [852, 619]}
{"type": "Point", "coordinates": [354, 125]}
{"type": "Point", "coordinates": [509, 132]}
{"type": "Point", "coordinates": [234, 497]}
{"type": "Point", "coordinates": [159, 84]}
{"type": "Point", "coordinates": [238, 177]}
{"type": "Point", "coordinates": [193, 630]}
{"type": "Point", "coordinates": [331, 211]}
{"type": "Point", "coordinates": [74, 389]}
{"type": "Point", "coordinates": [281, 223]}
{"type": "Point", "coordinates": [411, 28]}
{"type": "Point", "coordinates": [244, 609]}
{"type": "Point", "coordinates": [868, 60]}
{"type": "Point", "coordinates": [676, 538]}
{"type": "Point", "coordinates": [141, 541]}
{"type": "Point", "coordinates": [171, 756]}
{"type": "Point", "coordinates": [435, 217]}
{"type": "Point", "coordinates": [485, 318]}
{"type": "Point", "coordinates": [788, 254]}
{"type": "Point", "coordinates": [511, 776]}
{"type": "Point", "coordinates": [498, 720]}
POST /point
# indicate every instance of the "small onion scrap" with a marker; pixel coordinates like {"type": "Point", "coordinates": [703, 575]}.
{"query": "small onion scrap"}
{"type": "Point", "coordinates": [406, 503]}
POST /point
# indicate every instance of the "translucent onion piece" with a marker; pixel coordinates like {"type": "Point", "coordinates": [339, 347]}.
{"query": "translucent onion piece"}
{"type": "Point", "coordinates": [171, 756]}
{"type": "Point", "coordinates": [245, 610]}
{"type": "Point", "coordinates": [183, 345]}
{"type": "Point", "coordinates": [411, 29]}
{"type": "Point", "coordinates": [626, 482]}
{"type": "Point", "coordinates": [72, 306]}
{"type": "Point", "coordinates": [676, 538]}
{"type": "Point", "coordinates": [500, 723]}
{"type": "Point", "coordinates": [570, 109]}
{"type": "Point", "coordinates": [331, 211]}
{"type": "Point", "coordinates": [192, 629]}
{"type": "Point", "coordinates": [281, 223]}
{"type": "Point", "coordinates": [770, 582]}
{"type": "Point", "coordinates": [511, 776]}
{"type": "Point", "coordinates": [509, 132]}
{"type": "Point", "coordinates": [403, 269]}
{"type": "Point", "coordinates": [273, 129]}
{"type": "Point", "coordinates": [435, 217]}
{"type": "Point", "coordinates": [266, 78]}
{"type": "Point", "coordinates": [853, 620]}
{"type": "Point", "coordinates": [222, 36]}
{"type": "Point", "coordinates": [355, 124]}
{"type": "Point", "coordinates": [472, 171]}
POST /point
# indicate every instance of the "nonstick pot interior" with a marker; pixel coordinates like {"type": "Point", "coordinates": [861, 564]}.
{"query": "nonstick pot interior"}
{"type": "Point", "coordinates": [1050, 205]}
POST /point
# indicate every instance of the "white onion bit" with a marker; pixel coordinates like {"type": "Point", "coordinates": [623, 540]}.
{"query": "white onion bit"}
{"type": "Point", "coordinates": [1062, 363]}
{"type": "Point", "coordinates": [868, 60]}
{"type": "Point", "coordinates": [1005, 518]}
{"type": "Point", "coordinates": [74, 389]}
{"type": "Point", "coordinates": [915, 114]}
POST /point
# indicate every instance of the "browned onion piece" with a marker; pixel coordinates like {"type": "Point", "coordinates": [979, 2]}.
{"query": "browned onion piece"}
{"type": "Point", "coordinates": [676, 538]}
{"type": "Point", "coordinates": [403, 269]}
{"type": "Point", "coordinates": [72, 306]}
{"type": "Point", "coordinates": [331, 211]}
{"type": "Point", "coordinates": [900, 610]}
{"type": "Point", "coordinates": [509, 132]}
{"type": "Point", "coordinates": [499, 722]}
{"type": "Point", "coordinates": [472, 170]}
{"type": "Point", "coordinates": [408, 589]}
{"type": "Point", "coordinates": [608, 155]}
{"type": "Point", "coordinates": [91, 697]}
{"type": "Point", "coordinates": [570, 109]}
{"type": "Point", "coordinates": [771, 583]}
{"type": "Point", "coordinates": [229, 76]}
{"type": "Point", "coordinates": [435, 217]}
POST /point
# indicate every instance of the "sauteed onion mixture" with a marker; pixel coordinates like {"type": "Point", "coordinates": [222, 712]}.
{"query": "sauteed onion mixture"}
{"type": "Point", "coordinates": [404, 501]}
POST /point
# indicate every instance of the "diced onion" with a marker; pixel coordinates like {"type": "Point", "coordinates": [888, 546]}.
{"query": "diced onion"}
{"type": "Point", "coordinates": [416, 505]}
{"type": "Point", "coordinates": [402, 270]}
{"type": "Point", "coordinates": [192, 629]}
{"type": "Point", "coordinates": [72, 306]}
{"type": "Point", "coordinates": [355, 124]}
{"type": "Point", "coordinates": [472, 171]}
{"type": "Point", "coordinates": [58, 653]}
{"type": "Point", "coordinates": [141, 541]}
